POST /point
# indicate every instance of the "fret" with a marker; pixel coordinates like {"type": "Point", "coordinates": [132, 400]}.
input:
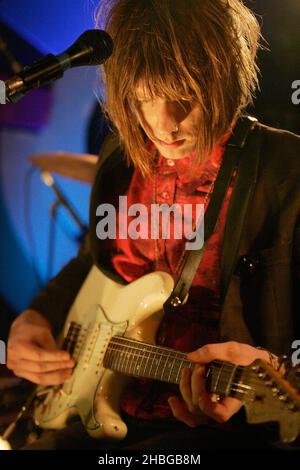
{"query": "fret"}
{"type": "Point", "coordinates": [154, 362]}
{"type": "Point", "coordinates": [181, 363]}
{"type": "Point", "coordinates": [175, 370]}
{"type": "Point", "coordinates": [137, 362]}
{"type": "Point", "coordinates": [118, 359]}
{"type": "Point", "coordinates": [153, 359]}
{"type": "Point", "coordinates": [115, 357]}
{"type": "Point", "coordinates": [164, 368]}
{"type": "Point", "coordinates": [121, 354]}
{"type": "Point", "coordinates": [122, 359]}
{"type": "Point", "coordinates": [124, 356]}
{"type": "Point", "coordinates": [158, 365]}
{"type": "Point", "coordinates": [147, 353]}
{"type": "Point", "coordinates": [180, 367]}
{"type": "Point", "coordinates": [112, 358]}
{"type": "Point", "coordinates": [132, 365]}
{"type": "Point", "coordinates": [127, 359]}
{"type": "Point", "coordinates": [171, 370]}
{"type": "Point", "coordinates": [171, 367]}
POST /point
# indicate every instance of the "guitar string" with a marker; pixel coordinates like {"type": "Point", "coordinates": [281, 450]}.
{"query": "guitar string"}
{"type": "Point", "coordinates": [252, 380]}
{"type": "Point", "coordinates": [138, 345]}
{"type": "Point", "coordinates": [244, 387]}
{"type": "Point", "coordinates": [160, 350]}
{"type": "Point", "coordinates": [152, 349]}
{"type": "Point", "coordinates": [143, 356]}
{"type": "Point", "coordinates": [175, 356]}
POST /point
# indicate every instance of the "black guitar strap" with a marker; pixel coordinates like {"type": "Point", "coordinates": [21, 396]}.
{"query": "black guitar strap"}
{"type": "Point", "coordinates": [231, 160]}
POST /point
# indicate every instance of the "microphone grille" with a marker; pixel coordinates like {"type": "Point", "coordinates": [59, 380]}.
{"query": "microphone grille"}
{"type": "Point", "coordinates": [100, 44]}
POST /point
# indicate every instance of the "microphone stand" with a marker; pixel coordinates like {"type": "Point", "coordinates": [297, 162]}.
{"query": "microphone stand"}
{"type": "Point", "coordinates": [49, 181]}
{"type": "Point", "coordinates": [53, 212]}
{"type": "Point", "coordinates": [61, 200]}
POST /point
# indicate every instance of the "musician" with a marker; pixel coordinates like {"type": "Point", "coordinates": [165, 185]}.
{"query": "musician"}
{"type": "Point", "coordinates": [181, 75]}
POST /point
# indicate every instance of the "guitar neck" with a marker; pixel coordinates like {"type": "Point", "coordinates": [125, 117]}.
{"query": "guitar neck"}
{"type": "Point", "coordinates": [142, 360]}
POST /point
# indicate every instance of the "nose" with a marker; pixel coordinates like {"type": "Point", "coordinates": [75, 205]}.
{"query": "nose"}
{"type": "Point", "coordinates": [169, 114]}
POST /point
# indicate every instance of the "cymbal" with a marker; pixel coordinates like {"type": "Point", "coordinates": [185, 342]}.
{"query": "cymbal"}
{"type": "Point", "coordinates": [78, 166]}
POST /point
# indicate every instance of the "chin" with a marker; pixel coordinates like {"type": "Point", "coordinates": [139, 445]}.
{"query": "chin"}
{"type": "Point", "coordinates": [178, 153]}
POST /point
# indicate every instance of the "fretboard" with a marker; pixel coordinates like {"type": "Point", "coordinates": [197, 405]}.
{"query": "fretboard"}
{"type": "Point", "coordinates": [145, 360]}
{"type": "Point", "coordinates": [140, 359]}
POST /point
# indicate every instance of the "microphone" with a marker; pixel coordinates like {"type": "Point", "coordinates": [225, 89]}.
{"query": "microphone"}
{"type": "Point", "coordinates": [93, 47]}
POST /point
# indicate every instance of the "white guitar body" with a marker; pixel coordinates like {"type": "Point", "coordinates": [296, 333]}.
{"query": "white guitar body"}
{"type": "Point", "coordinates": [104, 309]}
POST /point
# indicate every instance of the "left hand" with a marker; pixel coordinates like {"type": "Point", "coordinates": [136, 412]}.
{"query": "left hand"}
{"type": "Point", "coordinates": [196, 400]}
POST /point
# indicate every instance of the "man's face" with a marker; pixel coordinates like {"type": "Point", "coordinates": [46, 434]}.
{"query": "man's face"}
{"type": "Point", "coordinates": [172, 126]}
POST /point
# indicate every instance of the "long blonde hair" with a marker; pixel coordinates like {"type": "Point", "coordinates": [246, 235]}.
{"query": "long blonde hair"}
{"type": "Point", "coordinates": [200, 50]}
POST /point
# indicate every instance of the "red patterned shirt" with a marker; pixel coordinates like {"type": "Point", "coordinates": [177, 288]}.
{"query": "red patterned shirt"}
{"type": "Point", "coordinates": [196, 323]}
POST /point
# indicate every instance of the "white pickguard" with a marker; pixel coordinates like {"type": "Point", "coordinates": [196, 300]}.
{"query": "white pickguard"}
{"type": "Point", "coordinates": [104, 309]}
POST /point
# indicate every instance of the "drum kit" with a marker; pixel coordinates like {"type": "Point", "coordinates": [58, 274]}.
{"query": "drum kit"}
{"type": "Point", "coordinates": [81, 167]}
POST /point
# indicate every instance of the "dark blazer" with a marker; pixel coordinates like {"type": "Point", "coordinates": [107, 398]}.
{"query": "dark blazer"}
{"type": "Point", "coordinates": [261, 249]}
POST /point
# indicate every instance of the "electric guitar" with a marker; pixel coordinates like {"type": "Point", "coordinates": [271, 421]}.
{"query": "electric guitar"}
{"type": "Point", "coordinates": [110, 332]}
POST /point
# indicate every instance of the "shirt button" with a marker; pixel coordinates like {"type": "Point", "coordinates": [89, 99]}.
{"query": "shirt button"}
{"type": "Point", "coordinates": [170, 162]}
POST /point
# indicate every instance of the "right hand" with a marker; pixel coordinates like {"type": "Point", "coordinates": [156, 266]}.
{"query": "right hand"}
{"type": "Point", "coordinates": [32, 352]}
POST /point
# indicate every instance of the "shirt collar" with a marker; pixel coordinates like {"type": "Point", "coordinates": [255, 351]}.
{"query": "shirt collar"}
{"type": "Point", "coordinates": [198, 178]}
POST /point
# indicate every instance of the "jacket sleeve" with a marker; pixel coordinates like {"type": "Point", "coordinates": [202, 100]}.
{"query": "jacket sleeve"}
{"type": "Point", "coordinates": [56, 298]}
